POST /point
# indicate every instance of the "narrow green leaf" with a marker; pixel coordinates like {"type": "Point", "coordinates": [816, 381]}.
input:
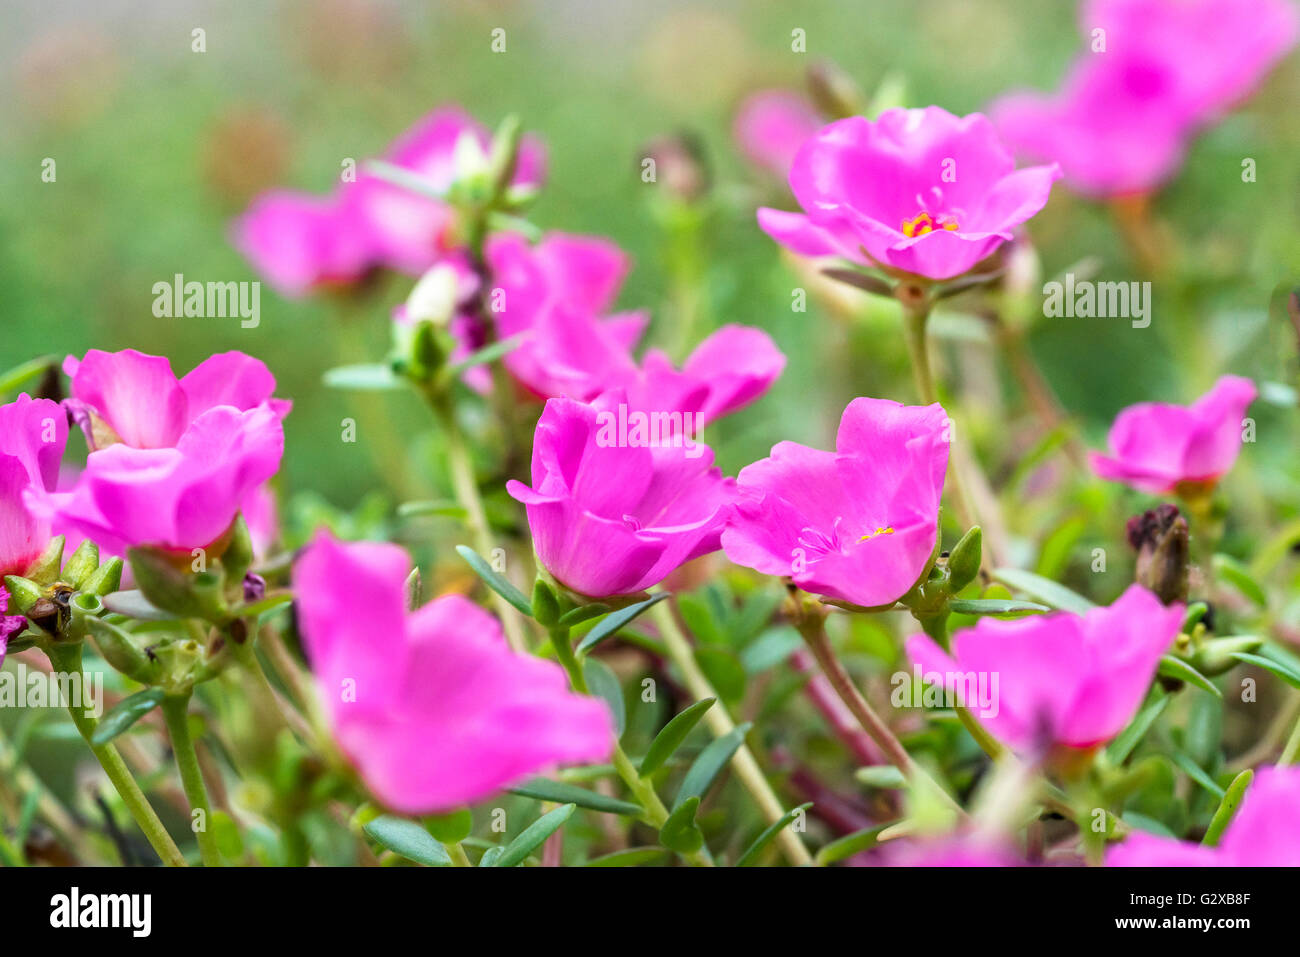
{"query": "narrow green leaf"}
{"type": "Point", "coordinates": [995, 606]}
{"type": "Point", "coordinates": [133, 604]}
{"type": "Point", "coordinates": [126, 713]}
{"type": "Point", "coordinates": [1123, 746]}
{"type": "Point", "coordinates": [533, 836]}
{"type": "Point", "coordinates": [489, 353]}
{"type": "Point", "coordinates": [1044, 589]}
{"type": "Point", "coordinates": [13, 380]}
{"type": "Point", "coordinates": [491, 856]}
{"type": "Point", "coordinates": [1272, 667]}
{"type": "Point", "coordinates": [576, 616]}
{"type": "Point", "coordinates": [560, 792]}
{"type": "Point", "coordinates": [710, 763]}
{"type": "Point", "coordinates": [365, 377]}
{"type": "Point", "coordinates": [679, 832]}
{"type": "Point", "coordinates": [604, 683]}
{"type": "Point", "coordinates": [408, 839]}
{"type": "Point", "coordinates": [1196, 773]}
{"type": "Point", "coordinates": [668, 740]}
{"type": "Point", "coordinates": [495, 580]}
{"type": "Point", "coordinates": [617, 620]}
{"type": "Point", "coordinates": [1238, 575]}
{"type": "Point", "coordinates": [256, 609]}
{"type": "Point", "coordinates": [1173, 667]}
{"type": "Point", "coordinates": [850, 844]}
{"type": "Point", "coordinates": [444, 508]}
{"type": "Point", "coordinates": [629, 858]}
{"type": "Point", "coordinates": [1236, 790]}
{"type": "Point", "coordinates": [748, 858]}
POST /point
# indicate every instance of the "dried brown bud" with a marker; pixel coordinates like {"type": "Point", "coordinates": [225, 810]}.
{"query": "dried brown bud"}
{"type": "Point", "coordinates": [1160, 537]}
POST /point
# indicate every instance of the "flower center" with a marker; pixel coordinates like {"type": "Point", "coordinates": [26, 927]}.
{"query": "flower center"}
{"type": "Point", "coordinates": [924, 222]}
{"type": "Point", "coordinates": [887, 530]}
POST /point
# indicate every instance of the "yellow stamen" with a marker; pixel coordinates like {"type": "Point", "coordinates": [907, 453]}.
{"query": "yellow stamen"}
{"type": "Point", "coordinates": [924, 223]}
{"type": "Point", "coordinates": [888, 530]}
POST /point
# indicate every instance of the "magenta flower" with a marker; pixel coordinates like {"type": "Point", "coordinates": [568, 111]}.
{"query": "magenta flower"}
{"type": "Point", "coordinates": [1123, 116]}
{"type": "Point", "coordinates": [770, 127]}
{"type": "Point", "coordinates": [858, 524]}
{"type": "Point", "coordinates": [142, 403]}
{"type": "Point", "coordinates": [1264, 832]}
{"type": "Point", "coordinates": [10, 625]}
{"type": "Point", "coordinates": [554, 295]}
{"type": "Point", "coordinates": [1059, 679]}
{"type": "Point", "coordinates": [33, 433]}
{"type": "Point", "coordinates": [409, 232]}
{"type": "Point", "coordinates": [1157, 447]}
{"type": "Point", "coordinates": [614, 510]}
{"type": "Point", "coordinates": [301, 243]}
{"type": "Point", "coordinates": [171, 460]}
{"type": "Point", "coordinates": [432, 707]}
{"type": "Point", "coordinates": [920, 192]}
{"type": "Point", "coordinates": [730, 369]}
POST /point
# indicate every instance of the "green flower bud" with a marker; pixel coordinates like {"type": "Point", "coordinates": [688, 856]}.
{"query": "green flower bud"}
{"type": "Point", "coordinates": [174, 590]}
{"type": "Point", "coordinates": [105, 579]}
{"type": "Point", "coordinates": [82, 564]}
{"type": "Point", "coordinates": [546, 607]}
{"type": "Point", "coordinates": [23, 593]}
{"type": "Point", "coordinates": [119, 649]}
{"type": "Point", "coordinates": [964, 560]}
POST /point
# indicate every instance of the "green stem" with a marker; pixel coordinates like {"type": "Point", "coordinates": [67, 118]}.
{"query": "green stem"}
{"type": "Point", "coordinates": [813, 629]}
{"type": "Point", "coordinates": [655, 811]}
{"type": "Point", "coordinates": [467, 495]}
{"type": "Point", "coordinates": [916, 314]}
{"type": "Point", "coordinates": [66, 660]}
{"type": "Point", "coordinates": [1292, 748]}
{"type": "Point", "coordinates": [175, 709]}
{"type": "Point", "coordinates": [719, 721]}
{"type": "Point", "coordinates": [458, 856]}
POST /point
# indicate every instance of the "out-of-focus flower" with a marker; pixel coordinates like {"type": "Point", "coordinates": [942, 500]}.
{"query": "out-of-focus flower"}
{"type": "Point", "coordinates": [614, 508]}
{"type": "Point", "coordinates": [770, 127]}
{"type": "Point", "coordinates": [1125, 112]}
{"type": "Point", "coordinates": [409, 232]}
{"type": "Point", "coordinates": [1264, 833]}
{"type": "Point", "coordinates": [858, 524]}
{"type": "Point", "coordinates": [172, 459]}
{"type": "Point", "coordinates": [959, 851]}
{"type": "Point", "coordinates": [1066, 680]}
{"type": "Point", "coordinates": [920, 192]}
{"type": "Point", "coordinates": [681, 167]}
{"type": "Point", "coordinates": [261, 513]}
{"type": "Point", "coordinates": [301, 242]}
{"type": "Point", "coordinates": [33, 433]}
{"type": "Point", "coordinates": [432, 707]}
{"type": "Point", "coordinates": [1160, 448]}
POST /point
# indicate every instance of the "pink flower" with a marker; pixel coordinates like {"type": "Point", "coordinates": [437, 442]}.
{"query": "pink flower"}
{"type": "Point", "coordinates": [858, 524]}
{"type": "Point", "coordinates": [553, 295]}
{"type": "Point", "coordinates": [33, 433]}
{"type": "Point", "coordinates": [920, 192]}
{"type": "Point", "coordinates": [408, 232]}
{"type": "Point", "coordinates": [301, 242]}
{"type": "Point", "coordinates": [1264, 833]}
{"type": "Point", "coordinates": [954, 851]}
{"type": "Point", "coordinates": [171, 460]}
{"type": "Point", "coordinates": [771, 126]}
{"type": "Point", "coordinates": [432, 707]}
{"type": "Point", "coordinates": [613, 511]}
{"type": "Point", "coordinates": [1123, 116]}
{"type": "Point", "coordinates": [728, 370]}
{"type": "Point", "coordinates": [10, 625]}
{"type": "Point", "coordinates": [1157, 447]}
{"type": "Point", "coordinates": [1062, 679]}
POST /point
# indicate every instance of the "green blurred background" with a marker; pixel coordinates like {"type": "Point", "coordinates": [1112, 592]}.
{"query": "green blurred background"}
{"type": "Point", "coordinates": [158, 148]}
